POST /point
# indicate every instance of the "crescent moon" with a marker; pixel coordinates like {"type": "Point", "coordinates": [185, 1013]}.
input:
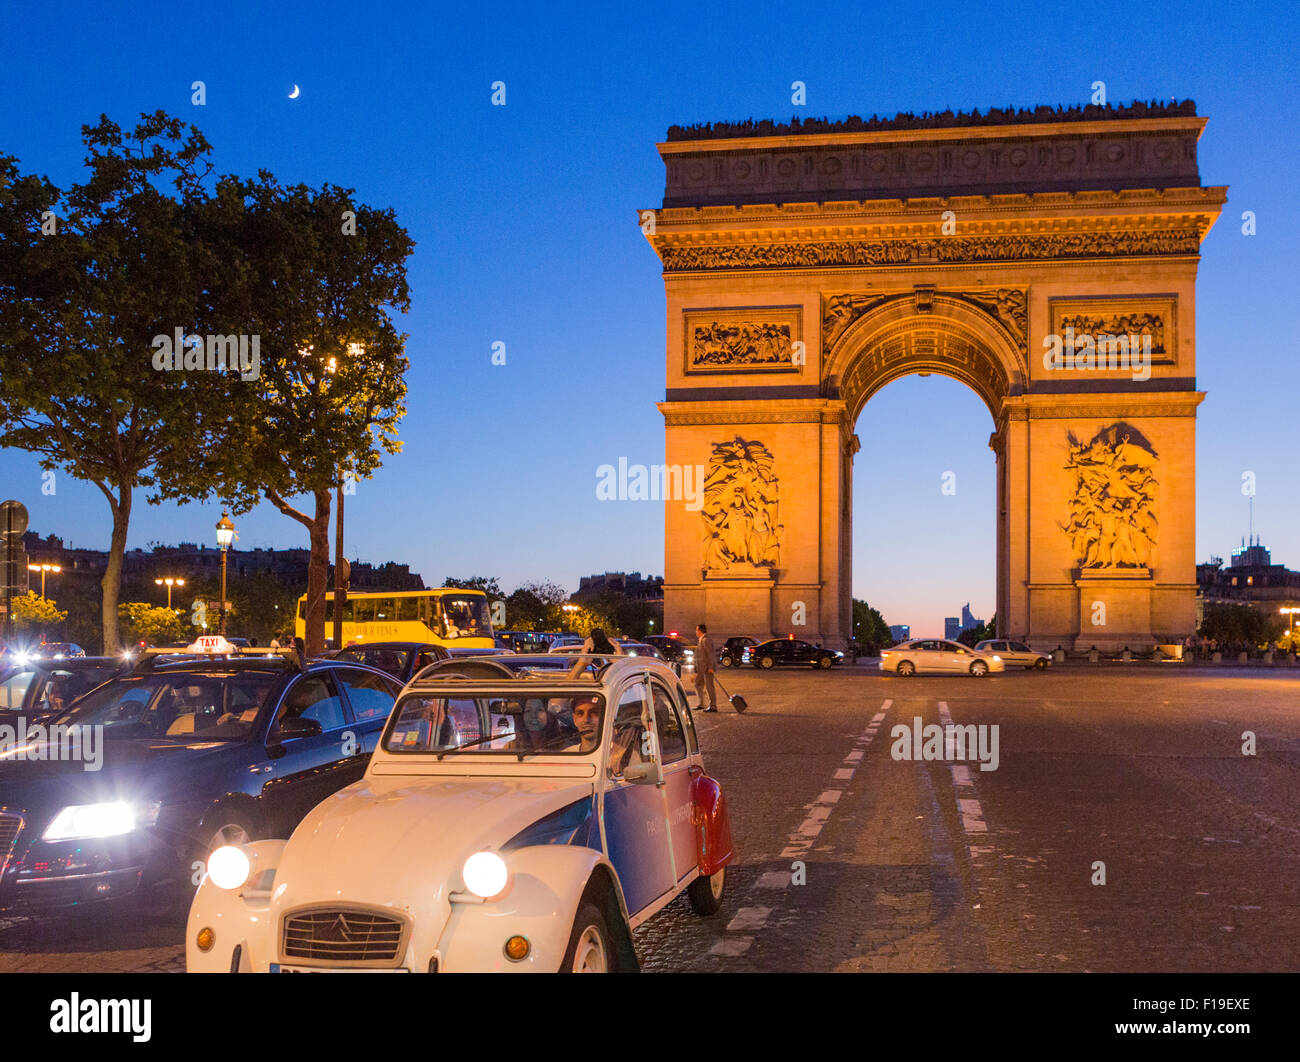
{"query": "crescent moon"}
{"type": "Point", "coordinates": [294, 94]}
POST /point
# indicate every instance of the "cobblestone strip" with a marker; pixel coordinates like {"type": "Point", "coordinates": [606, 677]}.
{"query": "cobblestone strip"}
{"type": "Point", "coordinates": [749, 920]}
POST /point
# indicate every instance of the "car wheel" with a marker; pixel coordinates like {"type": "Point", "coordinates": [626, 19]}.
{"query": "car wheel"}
{"type": "Point", "coordinates": [220, 827]}
{"type": "Point", "coordinates": [825, 663]}
{"type": "Point", "coordinates": [906, 667]}
{"type": "Point", "coordinates": [766, 663]}
{"type": "Point", "coordinates": [979, 669]}
{"type": "Point", "coordinates": [725, 661]}
{"type": "Point", "coordinates": [705, 893]}
{"type": "Point", "coordinates": [1040, 665]}
{"type": "Point", "coordinates": [591, 948]}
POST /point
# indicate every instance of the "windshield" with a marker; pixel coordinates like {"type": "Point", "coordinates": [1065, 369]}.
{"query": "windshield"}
{"type": "Point", "coordinates": [464, 616]}
{"type": "Point", "coordinates": [185, 707]}
{"type": "Point", "coordinates": [431, 723]}
{"type": "Point", "coordinates": [393, 661]}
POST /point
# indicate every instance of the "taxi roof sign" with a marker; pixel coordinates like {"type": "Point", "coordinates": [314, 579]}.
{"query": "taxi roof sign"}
{"type": "Point", "coordinates": [210, 643]}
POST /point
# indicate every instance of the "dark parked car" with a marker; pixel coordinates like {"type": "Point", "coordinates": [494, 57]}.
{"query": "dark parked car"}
{"type": "Point", "coordinates": [42, 687]}
{"type": "Point", "coordinates": [402, 660]}
{"type": "Point", "coordinates": [789, 652]}
{"type": "Point", "coordinates": [733, 651]}
{"type": "Point", "coordinates": [192, 754]}
{"type": "Point", "coordinates": [523, 641]}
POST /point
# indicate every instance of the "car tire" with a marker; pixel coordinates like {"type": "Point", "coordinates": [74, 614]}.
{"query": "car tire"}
{"type": "Point", "coordinates": [591, 945]}
{"type": "Point", "coordinates": [825, 663]}
{"type": "Point", "coordinates": [234, 827]}
{"type": "Point", "coordinates": [725, 661]}
{"type": "Point", "coordinates": [705, 893]}
{"type": "Point", "coordinates": [766, 663]}
{"type": "Point", "coordinates": [1040, 665]}
{"type": "Point", "coordinates": [979, 669]}
{"type": "Point", "coordinates": [906, 668]}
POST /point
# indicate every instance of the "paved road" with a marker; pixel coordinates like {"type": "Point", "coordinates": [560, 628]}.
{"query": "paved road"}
{"type": "Point", "coordinates": [936, 865]}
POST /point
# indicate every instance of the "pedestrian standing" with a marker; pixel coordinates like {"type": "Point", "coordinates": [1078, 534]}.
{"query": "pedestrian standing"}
{"type": "Point", "coordinates": [705, 665]}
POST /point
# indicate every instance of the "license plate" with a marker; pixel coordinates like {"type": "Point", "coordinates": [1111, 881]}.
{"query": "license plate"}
{"type": "Point", "coordinates": [280, 968]}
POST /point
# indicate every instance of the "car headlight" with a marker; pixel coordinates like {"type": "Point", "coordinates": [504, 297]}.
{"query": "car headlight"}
{"type": "Point", "coordinates": [80, 822]}
{"type": "Point", "coordinates": [228, 867]}
{"type": "Point", "coordinates": [997, 658]}
{"type": "Point", "coordinates": [485, 874]}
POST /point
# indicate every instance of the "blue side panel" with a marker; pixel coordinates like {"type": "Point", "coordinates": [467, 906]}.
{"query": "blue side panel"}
{"type": "Point", "coordinates": [638, 848]}
{"type": "Point", "coordinates": [570, 825]}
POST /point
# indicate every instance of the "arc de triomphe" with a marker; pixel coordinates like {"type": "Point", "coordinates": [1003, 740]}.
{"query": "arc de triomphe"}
{"type": "Point", "coordinates": [1047, 261]}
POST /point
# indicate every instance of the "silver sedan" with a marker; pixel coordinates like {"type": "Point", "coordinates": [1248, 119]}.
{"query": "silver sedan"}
{"type": "Point", "coordinates": [939, 657]}
{"type": "Point", "coordinates": [1015, 654]}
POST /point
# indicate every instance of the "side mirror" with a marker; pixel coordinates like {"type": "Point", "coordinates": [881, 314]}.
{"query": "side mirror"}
{"type": "Point", "coordinates": [643, 774]}
{"type": "Point", "coordinates": [297, 727]}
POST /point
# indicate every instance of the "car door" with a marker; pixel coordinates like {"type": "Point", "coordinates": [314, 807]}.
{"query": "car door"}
{"type": "Point", "coordinates": [959, 658]}
{"type": "Point", "coordinates": [370, 700]}
{"type": "Point", "coordinates": [633, 814]}
{"type": "Point", "coordinates": [671, 733]}
{"type": "Point", "coordinates": [305, 770]}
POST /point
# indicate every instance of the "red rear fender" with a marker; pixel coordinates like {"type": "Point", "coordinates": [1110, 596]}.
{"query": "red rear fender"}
{"type": "Point", "coordinates": [712, 828]}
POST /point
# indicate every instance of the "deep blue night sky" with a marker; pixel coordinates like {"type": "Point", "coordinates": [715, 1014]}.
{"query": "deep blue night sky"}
{"type": "Point", "coordinates": [525, 222]}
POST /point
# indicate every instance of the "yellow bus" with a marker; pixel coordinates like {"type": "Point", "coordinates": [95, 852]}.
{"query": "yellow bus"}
{"type": "Point", "coordinates": [446, 616]}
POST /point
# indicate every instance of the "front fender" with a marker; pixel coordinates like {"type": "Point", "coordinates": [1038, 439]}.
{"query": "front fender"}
{"type": "Point", "coordinates": [540, 903]}
{"type": "Point", "coordinates": [712, 826]}
{"type": "Point", "coordinates": [240, 918]}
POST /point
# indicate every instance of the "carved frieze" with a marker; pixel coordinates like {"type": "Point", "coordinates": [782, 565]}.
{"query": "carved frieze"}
{"type": "Point", "coordinates": [1144, 316]}
{"type": "Point", "coordinates": [744, 341]}
{"type": "Point", "coordinates": [741, 510]}
{"type": "Point", "coordinates": [1003, 248]}
{"type": "Point", "coordinates": [1007, 306]}
{"type": "Point", "coordinates": [1112, 523]}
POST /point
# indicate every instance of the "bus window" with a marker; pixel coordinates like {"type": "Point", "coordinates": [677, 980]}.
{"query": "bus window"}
{"type": "Point", "coordinates": [406, 609]}
{"type": "Point", "coordinates": [364, 610]}
{"type": "Point", "coordinates": [302, 607]}
{"type": "Point", "coordinates": [383, 610]}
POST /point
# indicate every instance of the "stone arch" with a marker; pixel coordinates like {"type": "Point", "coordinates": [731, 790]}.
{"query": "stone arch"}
{"type": "Point", "coordinates": [946, 334]}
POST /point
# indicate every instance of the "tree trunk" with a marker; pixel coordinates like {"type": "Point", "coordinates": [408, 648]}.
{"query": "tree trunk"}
{"type": "Point", "coordinates": [318, 574]}
{"type": "Point", "coordinates": [112, 580]}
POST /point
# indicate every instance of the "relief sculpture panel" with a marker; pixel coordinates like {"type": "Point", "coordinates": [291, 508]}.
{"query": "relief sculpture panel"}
{"type": "Point", "coordinates": [741, 512]}
{"type": "Point", "coordinates": [1112, 523]}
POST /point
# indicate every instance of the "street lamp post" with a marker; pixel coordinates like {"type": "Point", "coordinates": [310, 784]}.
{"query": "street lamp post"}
{"type": "Point", "coordinates": [225, 536]}
{"type": "Point", "coordinates": [43, 568]}
{"type": "Point", "coordinates": [170, 582]}
{"type": "Point", "coordinates": [1290, 613]}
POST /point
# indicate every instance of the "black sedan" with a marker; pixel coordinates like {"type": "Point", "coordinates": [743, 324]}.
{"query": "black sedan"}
{"type": "Point", "coordinates": [402, 660]}
{"type": "Point", "coordinates": [156, 768]}
{"type": "Point", "coordinates": [41, 687]}
{"type": "Point", "coordinates": [791, 652]}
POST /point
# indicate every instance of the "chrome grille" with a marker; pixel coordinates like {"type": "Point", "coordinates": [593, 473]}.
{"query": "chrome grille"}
{"type": "Point", "coordinates": [9, 827]}
{"type": "Point", "coordinates": [343, 936]}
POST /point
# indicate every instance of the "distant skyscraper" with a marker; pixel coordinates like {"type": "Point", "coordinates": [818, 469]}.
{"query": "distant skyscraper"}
{"type": "Point", "coordinates": [951, 628]}
{"type": "Point", "coordinates": [967, 619]}
{"type": "Point", "coordinates": [900, 632]}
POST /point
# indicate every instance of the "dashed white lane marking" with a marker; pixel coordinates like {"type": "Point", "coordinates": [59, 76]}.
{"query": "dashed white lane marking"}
{"type": "Point", "coordinates": [731, 946]}
{"type": "Point", "coordinates": [798, 845]}
{"type": "Point", "coordinates": [972, 813]}
{"type": "Point", "coordinates": [772, 879]}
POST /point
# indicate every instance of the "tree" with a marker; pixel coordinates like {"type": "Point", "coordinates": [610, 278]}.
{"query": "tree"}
{"type": "Point", "coordinates": [972, 636]}
{"type": "Point", "coordinates": [87, 278]}
{"type": "Point", "coordinates": [152, 624]}
{"type": "Point", "coordinates": [536, 607]}
{"type": "Point", "coordinates": [1240, 627]}
{"type": "Point", "coordinates": [870, 630]}
{"type": "Point", "coordinates": [33, 613]}
{"type": "Point", "coordinates": [476, 582]}
{"type": "Point", "coordinates": [318, 274]}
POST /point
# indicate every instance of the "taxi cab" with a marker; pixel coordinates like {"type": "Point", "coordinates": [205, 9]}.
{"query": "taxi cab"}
{"type": "Point", "coordinates": [511, 819]}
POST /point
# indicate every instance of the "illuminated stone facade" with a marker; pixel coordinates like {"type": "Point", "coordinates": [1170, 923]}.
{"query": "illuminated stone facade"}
{"type": "Point", "coordinates": [805, 271]}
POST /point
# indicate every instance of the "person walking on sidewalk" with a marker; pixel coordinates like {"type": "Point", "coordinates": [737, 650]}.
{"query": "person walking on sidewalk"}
{"type": "Point", "coordinates": [706, 662]}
